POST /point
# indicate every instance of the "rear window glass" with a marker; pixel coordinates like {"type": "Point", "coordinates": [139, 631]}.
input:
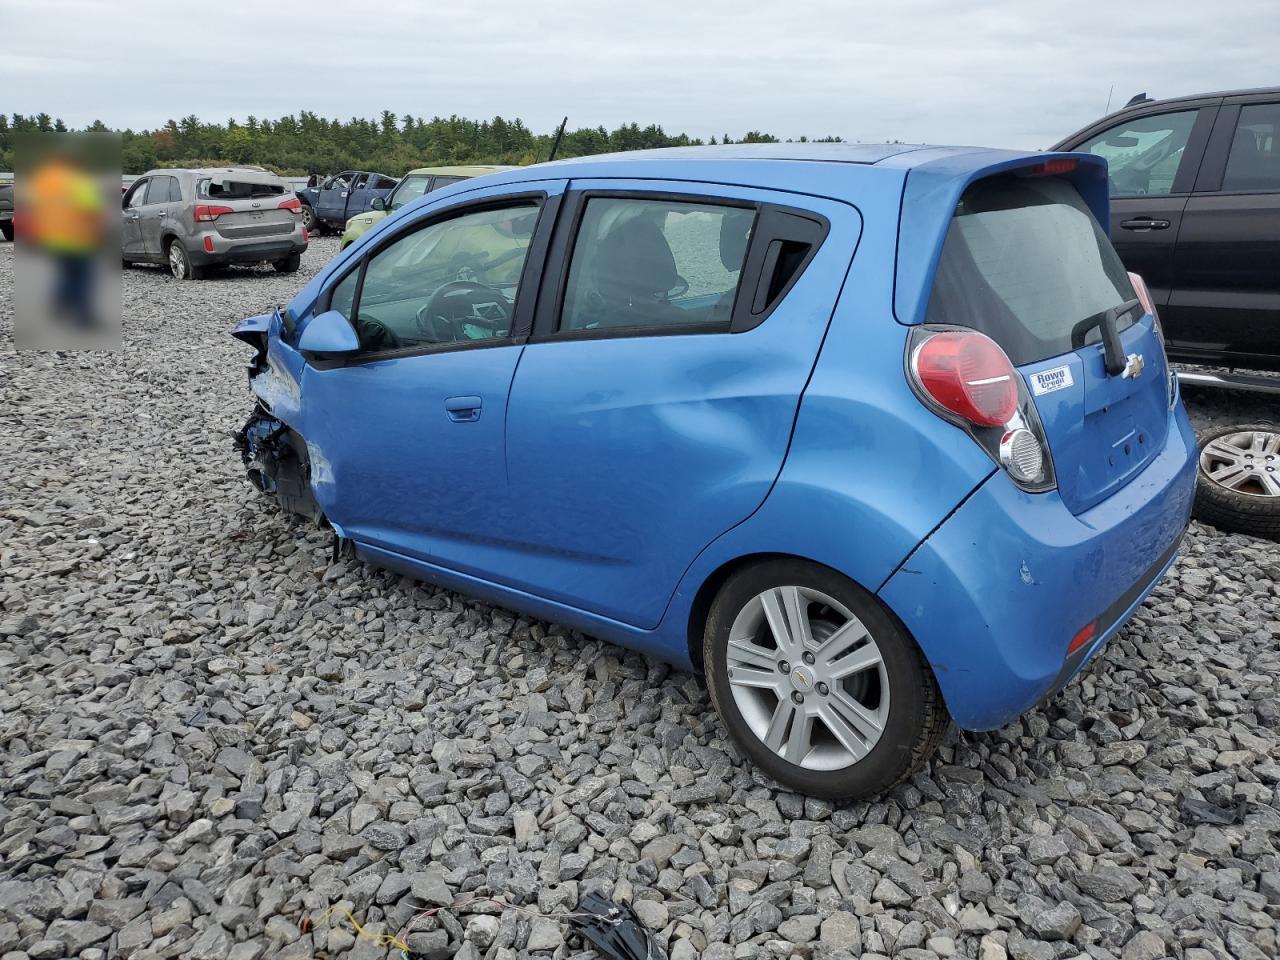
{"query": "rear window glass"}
{"type": "Point", "coordinates": [1026, 263]}
{"type": "Point", "coordinates": [237, 190]}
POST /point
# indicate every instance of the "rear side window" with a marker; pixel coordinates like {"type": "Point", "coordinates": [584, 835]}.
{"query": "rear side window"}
{"type": "Point", "coordinates": [238, 190]}
{"type": "Point", "coordinates": [655, 263]}
{"type": "Point", "coordinates": [1025, 262]}
{"type": "Point", "coordinates": [1254, 161]}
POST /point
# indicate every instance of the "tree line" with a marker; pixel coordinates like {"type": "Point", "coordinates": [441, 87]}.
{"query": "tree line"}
{"type": "Point", "coordinates": [298, 145]}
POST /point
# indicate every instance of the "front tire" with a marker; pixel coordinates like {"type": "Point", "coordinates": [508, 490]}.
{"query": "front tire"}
{"type": "Point", "coordinates": [288, 264]}
{"type": "Point", "coordinates": [180, 265]}
{"type": "Point", "coordinates": [309, 220]}
{"type": "Point", "coordinates": [6, 228]}
{"type": "Point", "coordinates": [1238, 479]}
{"type": "Point", "coordinates": [818, 683]}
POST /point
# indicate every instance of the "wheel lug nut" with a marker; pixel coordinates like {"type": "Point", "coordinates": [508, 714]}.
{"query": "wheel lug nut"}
{"type": "Point", "coordinates": [784, 667]}
{"type": "Point", "coordinates": [808, 658]}
{"type": "Point", "coordinates": [822, 689]}
{"type": "Point", "coordinates": [798, 697]}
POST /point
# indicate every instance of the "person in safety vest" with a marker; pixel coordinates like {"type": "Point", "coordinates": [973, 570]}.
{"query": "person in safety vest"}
{"type": "Point", "coordinates": [64, 220]}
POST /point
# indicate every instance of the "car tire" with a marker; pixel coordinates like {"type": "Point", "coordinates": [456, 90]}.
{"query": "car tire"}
{"type": "Point", "coordinates": [309, 220]}
{"type": "Point", "coordinates": [754, 683]}
{"type": "Point", "coordinates": [289, 264]}
{"type": "Point", "coordinates": [179, 261]}
{"type": "Point", "coordinates": [1237, 486]}
{"type": "Point", "coordinates": [6, 228]}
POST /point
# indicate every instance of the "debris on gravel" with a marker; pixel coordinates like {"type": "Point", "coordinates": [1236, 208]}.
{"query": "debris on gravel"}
{"type": "Point", "coordinates": [210, 732]}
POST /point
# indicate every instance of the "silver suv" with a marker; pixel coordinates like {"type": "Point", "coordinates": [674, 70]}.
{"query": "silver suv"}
{"type": "Point", "coordinates": [193, 219]}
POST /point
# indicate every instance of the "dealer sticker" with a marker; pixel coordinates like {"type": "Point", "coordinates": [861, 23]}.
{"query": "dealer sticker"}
{"type": "Point", "coordinates": [1047, 381]}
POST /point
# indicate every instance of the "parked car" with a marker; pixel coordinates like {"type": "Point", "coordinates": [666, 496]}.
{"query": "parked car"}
{"type": "Point", "coordinates": [413, 185]}
{"type": "Point", "coordinates": [340, 197]}
{"type": "Point", "coordinates": [6, 209]}
{"type": "Point", "coordinates": [874, 435]}
{"type": "Point", "coordinates": [194, 219]}
{"type": "Point", "coordinates": [1195, 202]}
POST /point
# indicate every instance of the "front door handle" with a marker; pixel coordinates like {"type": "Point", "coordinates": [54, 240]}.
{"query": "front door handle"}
{"type": "Point", "coordinates": [463, 409]}
{"type": "Point", "coordinates": [1145, 223]}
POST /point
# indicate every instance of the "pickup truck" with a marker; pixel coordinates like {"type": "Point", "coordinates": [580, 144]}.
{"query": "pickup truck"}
{"type": "Point", "coordinates": [341, 197]}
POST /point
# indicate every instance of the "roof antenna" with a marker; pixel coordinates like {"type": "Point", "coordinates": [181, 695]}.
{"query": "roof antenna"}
{"type": "Point", "coordinates": [559, 133]}
{"type": "Point", "coordinates": [1109, 93]}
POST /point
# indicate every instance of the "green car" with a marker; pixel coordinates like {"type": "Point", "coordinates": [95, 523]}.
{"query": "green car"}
{"type": "Point", "coordinates": [414, 184]}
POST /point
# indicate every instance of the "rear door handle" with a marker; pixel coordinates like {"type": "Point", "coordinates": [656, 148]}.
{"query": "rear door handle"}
{"type": "Point", "coordinates": [463, 409]}
{"type": "Point", "coordinates": [1145, 223]}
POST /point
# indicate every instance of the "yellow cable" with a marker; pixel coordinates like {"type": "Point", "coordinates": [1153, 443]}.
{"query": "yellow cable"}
{"type": "Point", "coordinates": [382, 939]}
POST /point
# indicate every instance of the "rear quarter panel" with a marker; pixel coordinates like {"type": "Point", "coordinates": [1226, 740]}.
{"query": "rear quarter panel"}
{"type": "Point", "coordinates": [869, 472]}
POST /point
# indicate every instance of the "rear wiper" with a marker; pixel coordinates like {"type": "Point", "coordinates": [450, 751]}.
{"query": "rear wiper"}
{"type": "Point", "coordinates": [1106, 322]}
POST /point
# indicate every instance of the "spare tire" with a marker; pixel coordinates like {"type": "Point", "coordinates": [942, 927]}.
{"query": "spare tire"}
{"type": "Point", "coordinates": [1238, 479]}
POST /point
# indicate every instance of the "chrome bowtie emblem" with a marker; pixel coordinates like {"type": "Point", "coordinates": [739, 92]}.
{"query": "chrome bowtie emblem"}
{"type": "Point", "coordinates": [1134, 365]}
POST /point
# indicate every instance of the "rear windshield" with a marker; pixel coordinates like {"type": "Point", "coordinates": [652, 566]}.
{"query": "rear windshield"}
{"type": "Point", "coordinates": [1026, 263]}
{"type": "Point", "coordinates": [235, 190]}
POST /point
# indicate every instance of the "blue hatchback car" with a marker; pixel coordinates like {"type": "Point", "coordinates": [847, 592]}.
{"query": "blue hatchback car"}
{"type": "Point", "coordinates": [875, 436]}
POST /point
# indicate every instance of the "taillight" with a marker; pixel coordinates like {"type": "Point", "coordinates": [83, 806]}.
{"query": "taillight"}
{"type": "Point", "coordinates": [968, 374]}
{"type": "Point", "coordinates": [207, 213]}
{"type": "Point", "coordinates": [964, 377]}
{"type": "Point", "coordinates": [293, 203]}
{"type": "Point", "coordinates": [1148, 302]}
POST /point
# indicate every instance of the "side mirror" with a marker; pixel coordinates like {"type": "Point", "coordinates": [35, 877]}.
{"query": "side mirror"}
{"type": "Point", "coordinates": [378, 204]}
{"type": "Point", "coordinates": [329, 334]}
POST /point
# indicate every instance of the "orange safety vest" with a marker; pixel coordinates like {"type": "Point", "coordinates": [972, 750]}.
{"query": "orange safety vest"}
{"type": "Point", "coordinates": [65, 210]}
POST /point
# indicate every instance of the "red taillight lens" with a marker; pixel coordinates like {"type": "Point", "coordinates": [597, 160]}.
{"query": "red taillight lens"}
{"type": "Point", "coordinates": [1148, 302]}
{"type": "Point", "coordinates": [968, 374]}
{"type": "Point", "coordinates": [1083, 636]}
{"type": "Point", "coordinates": [207, 213]}
{"type": "Point", "coordinates": [293, 203]}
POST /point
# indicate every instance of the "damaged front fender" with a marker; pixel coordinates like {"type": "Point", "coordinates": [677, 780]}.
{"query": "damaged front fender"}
{"type": "Point", "coordinates": [278, 463]}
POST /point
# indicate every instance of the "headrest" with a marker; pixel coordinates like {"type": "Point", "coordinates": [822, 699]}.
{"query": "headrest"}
{"type": "Point", "coordinates": [735, 231]}
{"type": "Point", "coordinates": [635, 259]}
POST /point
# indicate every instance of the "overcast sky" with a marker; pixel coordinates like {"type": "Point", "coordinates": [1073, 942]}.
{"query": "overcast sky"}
{"type": "Point", "coordinates": [1000, 73]}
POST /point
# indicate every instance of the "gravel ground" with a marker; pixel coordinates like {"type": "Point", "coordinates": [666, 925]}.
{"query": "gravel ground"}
{"type": "Point", "coordinates": [209, 731]}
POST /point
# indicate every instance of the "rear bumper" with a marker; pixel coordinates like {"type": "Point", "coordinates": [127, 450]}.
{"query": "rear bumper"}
{"type": "Point", "coordinates": [995, 595]}
{"type": "Point", "coordinates": [246, 251]}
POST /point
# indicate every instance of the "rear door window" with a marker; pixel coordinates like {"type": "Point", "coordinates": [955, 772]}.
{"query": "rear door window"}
{"type": "Point", "coordinates": [640, 263]}
{"type": "Point", "coordinates": [1143, 155]}
{"type": "Point", "coordinates": [1026, 263]}
{"type": "Point", "coordinates": [1253, 165]}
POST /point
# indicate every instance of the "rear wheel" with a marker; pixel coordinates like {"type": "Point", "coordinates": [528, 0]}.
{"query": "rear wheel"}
{"type": "Point", "coordinates": [817, 683]}
{"type": "Point", "coordinates": [1238, 479]}
{"type": "Point", "coordinates": [289, 264]}
{"type": "Point", "coordinates": [180, 264]}
{"type": "Point", "coordinates": [7, 229]}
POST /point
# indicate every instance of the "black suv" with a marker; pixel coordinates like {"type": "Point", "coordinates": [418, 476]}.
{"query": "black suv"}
{"type": "Point", "coordinates": [1195, 209]}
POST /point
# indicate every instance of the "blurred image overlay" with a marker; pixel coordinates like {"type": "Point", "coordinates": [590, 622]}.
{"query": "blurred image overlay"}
{"type": "Point", "coordinates": [66, 226]}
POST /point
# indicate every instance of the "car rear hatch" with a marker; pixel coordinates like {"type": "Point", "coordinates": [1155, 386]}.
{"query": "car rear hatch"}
{"type": "Point", "coordinates": [248, 205]}
{"type": "Point", "coordinates": [1025, 262]}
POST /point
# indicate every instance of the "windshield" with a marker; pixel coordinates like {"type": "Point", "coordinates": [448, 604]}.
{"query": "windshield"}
{"type": "Point", "coordinates": [410, 189]}
{"type": "Point", "coordinates": [1025, 262]}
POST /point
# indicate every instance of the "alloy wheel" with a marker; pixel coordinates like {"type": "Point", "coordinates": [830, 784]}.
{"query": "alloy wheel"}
{"type": "Point", "coordinates": [177, 261]}
{"type": "Point", "coordinates": [1246, 462]}
{"type": "Point", "coordinates": [808, 678]}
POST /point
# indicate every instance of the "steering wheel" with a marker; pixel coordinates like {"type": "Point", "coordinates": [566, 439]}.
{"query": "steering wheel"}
{"type": "Point", "coordinates": [680, 289]}
{"type": "Point", "coordinates": [376, 335]}
{"type": "Point", "coordinates": [444, 303]}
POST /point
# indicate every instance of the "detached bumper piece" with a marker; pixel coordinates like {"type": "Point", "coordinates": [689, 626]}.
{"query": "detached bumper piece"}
{"type": "Point", "coordinates": [276, 460]}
